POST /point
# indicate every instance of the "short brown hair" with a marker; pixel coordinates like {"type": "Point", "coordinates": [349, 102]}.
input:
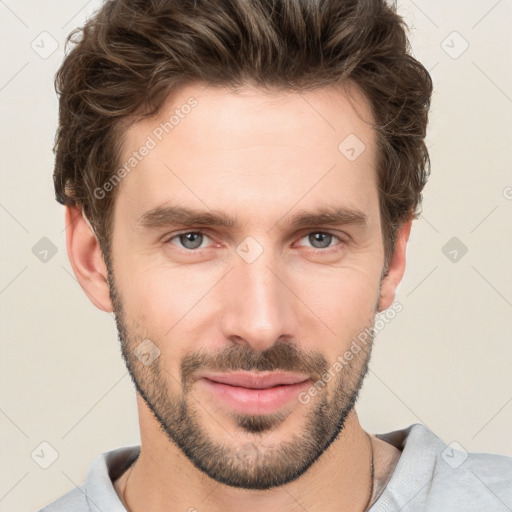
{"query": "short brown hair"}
{"type": "Point", "coordinates": [132, 54]}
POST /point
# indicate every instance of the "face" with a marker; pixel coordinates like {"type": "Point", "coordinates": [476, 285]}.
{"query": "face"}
{"type": "Point", "coordinates": [245, 240]}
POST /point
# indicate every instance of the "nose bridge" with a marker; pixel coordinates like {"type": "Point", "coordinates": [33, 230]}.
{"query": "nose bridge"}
{"type": "Point", "coordinates": [260, 308]}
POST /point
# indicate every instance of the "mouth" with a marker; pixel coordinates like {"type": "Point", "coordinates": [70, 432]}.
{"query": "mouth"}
{"type": "Point", "coordinates": [256, 380]}
{"type": "Point", "coordinates": [254, 393]}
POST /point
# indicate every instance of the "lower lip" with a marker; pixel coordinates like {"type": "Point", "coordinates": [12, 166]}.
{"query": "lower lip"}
{"type": "Point", "coordinates": [255, 401]}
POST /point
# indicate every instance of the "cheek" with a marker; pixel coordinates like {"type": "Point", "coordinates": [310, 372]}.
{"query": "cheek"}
{"type": "Point", "coordinates": [166, 300]}
{"type": "Point", "coordinates": [343, 298]}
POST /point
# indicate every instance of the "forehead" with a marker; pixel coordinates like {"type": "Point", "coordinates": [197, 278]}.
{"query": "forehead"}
{"type": "Point", "coordinates": [250, 151]}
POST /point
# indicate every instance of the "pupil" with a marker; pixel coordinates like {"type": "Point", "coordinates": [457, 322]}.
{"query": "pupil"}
{"type": "Point", "coordinates": [191, 240]}
{"type": "Point", "coordinates": [320, 240]}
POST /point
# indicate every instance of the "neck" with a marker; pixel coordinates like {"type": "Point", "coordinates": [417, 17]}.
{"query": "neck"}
{"type": "Point", "coordinates": [163, 479]}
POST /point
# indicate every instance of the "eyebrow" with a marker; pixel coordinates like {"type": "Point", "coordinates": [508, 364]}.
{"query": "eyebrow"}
{"type": "Point", "coordinates": [165, 216]}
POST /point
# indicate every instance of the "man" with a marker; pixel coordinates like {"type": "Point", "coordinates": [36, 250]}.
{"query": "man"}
{"type": "Point", "coordinates": [240, 179]}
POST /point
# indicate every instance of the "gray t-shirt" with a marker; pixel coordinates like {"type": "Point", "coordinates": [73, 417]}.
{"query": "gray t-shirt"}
{"type": "Point", "coordinates": [430, 476]}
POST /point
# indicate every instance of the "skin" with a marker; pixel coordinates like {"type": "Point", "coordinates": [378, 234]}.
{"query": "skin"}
{"type": "Point", "coordinates": [259, 157]}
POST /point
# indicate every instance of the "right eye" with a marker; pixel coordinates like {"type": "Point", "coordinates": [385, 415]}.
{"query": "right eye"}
{"type": "Point", "coordinates": [188, 240]}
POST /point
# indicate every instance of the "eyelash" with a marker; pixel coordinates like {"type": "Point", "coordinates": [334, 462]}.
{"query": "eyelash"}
{"type": "Point", "coordinates": [177, 235]}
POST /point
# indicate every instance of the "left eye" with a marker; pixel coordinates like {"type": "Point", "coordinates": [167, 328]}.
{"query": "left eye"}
{"type": "Point", "coordinates": [320, 239]}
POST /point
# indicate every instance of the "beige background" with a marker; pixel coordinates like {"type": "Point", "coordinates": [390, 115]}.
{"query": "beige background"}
{"type": "Point", "coordinates": [444, 361]}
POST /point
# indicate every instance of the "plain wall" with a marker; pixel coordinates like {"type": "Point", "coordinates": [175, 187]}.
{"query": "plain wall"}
{"type": "Point", "coordinates": [444, 361]}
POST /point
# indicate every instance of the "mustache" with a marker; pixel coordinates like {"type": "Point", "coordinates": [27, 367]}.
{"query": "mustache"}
{"type": "Point", "coordinates": [283, 356]}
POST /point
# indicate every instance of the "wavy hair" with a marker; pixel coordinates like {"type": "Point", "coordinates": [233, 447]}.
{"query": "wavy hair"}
{"type": "Point", "coordinates": [127, 59]}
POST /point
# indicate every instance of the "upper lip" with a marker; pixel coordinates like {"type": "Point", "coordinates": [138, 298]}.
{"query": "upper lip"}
{"type": "Point", "coordinates": [255, 380]}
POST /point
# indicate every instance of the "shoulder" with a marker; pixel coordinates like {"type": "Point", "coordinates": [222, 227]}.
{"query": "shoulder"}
{"type": "Point", "coordinates": [74, 500]}
{"type": "Point", "coordinates": [482, 474]}
{"type": "Point", "coordinates": [479, 481]}
{"type": "Point", "coordinates": [98, 493]}
{"type": "Point", "coordinates": [434, 476]}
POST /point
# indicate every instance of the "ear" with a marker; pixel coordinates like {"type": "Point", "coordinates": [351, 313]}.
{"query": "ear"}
{"type": "Point", "coordinates": [86, 259]}
{"type": "Point", "coordinates": [396, 267]}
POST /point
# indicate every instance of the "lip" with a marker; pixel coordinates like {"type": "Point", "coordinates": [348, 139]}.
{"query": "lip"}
{"type": "Point", "coordinates": [249, 393]}
{"type": "Point", "coordinates": [256, 380]}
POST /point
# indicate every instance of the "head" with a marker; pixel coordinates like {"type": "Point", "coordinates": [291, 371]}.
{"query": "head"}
{"type": "Point", "coordinates": [250, 171]}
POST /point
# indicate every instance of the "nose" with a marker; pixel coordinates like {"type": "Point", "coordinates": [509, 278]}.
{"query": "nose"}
{"type": "Point", "coordinates": [259, 308]}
